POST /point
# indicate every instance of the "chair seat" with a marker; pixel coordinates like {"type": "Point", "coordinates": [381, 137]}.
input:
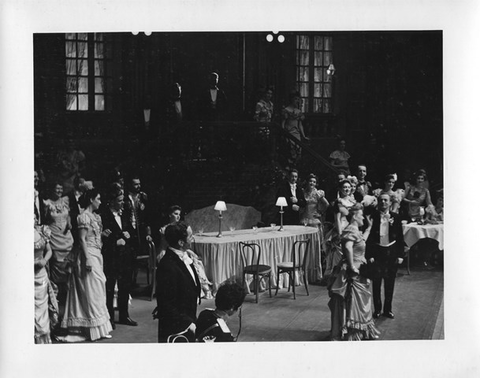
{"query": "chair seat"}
{"type": "Point", "coordinates": [288, 265]}
{"type": "Point", "coordinates": [262, 269]}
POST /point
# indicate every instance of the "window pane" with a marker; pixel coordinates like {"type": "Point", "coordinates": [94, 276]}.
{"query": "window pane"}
{"type": "Point", "coordinates": [99, 85]}
{"type": "Point", "coordinates": [71, 67]}
{"type": "Point", "coordinates": [99, 102]}
{"type": "Point", "coordinates": [82, 85]}
{"type": "Point", "coordinates": [82, 50]}
{"type": "Point", "coordinates": [327, 90]}
{"type": "Point", "coordinates": [99, 50]}
{"type": "Point", "coordinates": [327, 106]}
{"type": "Point", "coordinates": [317, 105]}
{"type": "Point", "coordinates": [303, 42]}
{"type": "Point", "coordinates": [328, 43]}
{"type": "Point", "coordinates": [302, 58]}
{"type": "Point", "coordinates": [71, 84]}
{"type": "Point", "coordinates": [70, 49]}
{"type": "Point", "coordinates": [318, 59]}
{"type": "Point", "coordinates": [70, 35]}
{"type": "Point", "coordinates": [302, 74]}
{"type": "Point", "coordinates": [317, 90]}
{"type": "Point", "coordinates": [98, 68]}
{"type": "Point", "coordinates": [327, 78]}
{"type": "Point", "coordinates": [318, 74]}
{"type": "Point", "coordinates": [82, 36]}
{"type": "Point", "coordinates": [305, 105]}
{"type": "Point", "coordinates": [303, 89]}
{"type": "Point", "coordinates": [71, 102]}
{"type": "Point", "coordinates": [328, 58]}
{"type": "Point", "coordinates": [83, 67]}
{"type": "Point", "coordinates": [82, 102]}
{"type": "Point", "coordinates": [318, 41]}
{"type": "Point", "coordinates": [98, 36]}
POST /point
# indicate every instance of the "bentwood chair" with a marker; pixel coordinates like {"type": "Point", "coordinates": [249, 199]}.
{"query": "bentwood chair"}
{"type": "Point", "coordinates": [299, 263]}
{"type": "Point", "coordinates": [148, 261]}
{"type": "Point", "coordinates": [251, 254]}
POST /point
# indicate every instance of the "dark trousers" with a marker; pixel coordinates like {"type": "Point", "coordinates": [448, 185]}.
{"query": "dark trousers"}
{"type": "Point", "coordinates": [124, 280]}
{"type": "Point", "coordinates": [389, 284]}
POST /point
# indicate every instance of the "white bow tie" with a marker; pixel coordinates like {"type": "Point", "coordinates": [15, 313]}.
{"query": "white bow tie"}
{"type": "Point", "coordinates": [186, 259]}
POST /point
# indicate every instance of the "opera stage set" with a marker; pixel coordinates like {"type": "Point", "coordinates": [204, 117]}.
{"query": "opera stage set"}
{"type": "Point", "coordinates": [114, 97]}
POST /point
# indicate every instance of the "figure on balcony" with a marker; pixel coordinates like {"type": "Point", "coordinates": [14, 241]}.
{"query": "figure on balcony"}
{"type": "Point", "coordinates": [292, 118]}
{"type": "Point", "coordinates": [264, 111]}
{"type": "Point", "coordinates": [339, 158]}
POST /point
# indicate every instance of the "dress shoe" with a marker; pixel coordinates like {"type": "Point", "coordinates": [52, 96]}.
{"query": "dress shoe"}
{"type": "Point", "coordinates": [376, 314]}
{"type": "Point", "coordinates": [389, 314]}
{"type": "Point", "coordinates": [128, 321]}
{"type": "Point", "coordinates": [112, 323]}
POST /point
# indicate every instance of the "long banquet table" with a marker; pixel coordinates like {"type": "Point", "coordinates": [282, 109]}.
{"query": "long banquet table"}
{"type": "Point", "coordinates": [222, 256]}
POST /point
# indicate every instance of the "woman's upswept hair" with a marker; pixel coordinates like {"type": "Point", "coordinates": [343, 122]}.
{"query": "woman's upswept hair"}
{"type": "Point", "coordinates": [353, 210]}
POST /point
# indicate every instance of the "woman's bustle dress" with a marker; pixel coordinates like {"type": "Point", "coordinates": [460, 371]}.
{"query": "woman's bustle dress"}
{"type": "Point", "coordinates": [86, 300]}
{"type": "Point", "coordinates": [350, 295]}
{"type": "Point", "coordinates": [43, 291]}
{"type": "Point", "coordinates": [61, 240]}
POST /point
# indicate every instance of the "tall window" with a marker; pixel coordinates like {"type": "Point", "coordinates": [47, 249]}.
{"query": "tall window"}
{"type": "Point", "coordinates": [88, 84]}
{"type": "Point", "coordinates": [314, 55]}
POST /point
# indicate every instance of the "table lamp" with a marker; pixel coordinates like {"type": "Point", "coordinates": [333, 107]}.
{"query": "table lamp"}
{"type": "Point", "coordinates": [281, 201]}
{"type": "Point", "coordinates": [220, 206]}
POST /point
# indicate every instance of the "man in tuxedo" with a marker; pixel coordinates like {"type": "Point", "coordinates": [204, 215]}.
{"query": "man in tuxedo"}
{"type": "Point", "coordinates": [385, 252]}
{"type": "Point", "coordinates": [38, 205]}
{"type": "Point", "coordinates": [178, 286]}
{"type": "Point", "coordinates": [295, 199]}
{"type": "Point", "coordinates": [364, 187]}
{"type": "Point", "coordinates": [213, 101]}
{"type": "Point", "coordinates": [118, 256]}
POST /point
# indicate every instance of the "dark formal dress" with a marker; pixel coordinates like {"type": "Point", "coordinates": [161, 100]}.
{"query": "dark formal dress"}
{"type": "Point", "coordinates": [385, 245]}
{"type": "Point", "coordinates": [118, 261]}
{"type": "Point", "coordinates": [210, 325]}
{"type": "Point", "coordinates": [291, 217]}
{"type": "Point", "coordinates": [178, 292]}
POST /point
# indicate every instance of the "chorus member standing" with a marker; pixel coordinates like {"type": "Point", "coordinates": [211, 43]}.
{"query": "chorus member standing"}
{"type": "Point", "coordinates": [80, 186]}
{"type": "Point", "coordinates": [57, 217]}
{"type": "Point", "coordinates": [38, 205]}
{"type": "Point", "coordinates": [118, 256]}
{"type": "Point", "coordinates": [213, 101]}
{"type": "Point", "coordinates": [417, 195]}
{"type": "Point", "coordinates": [136, 207]}
{"type": "Point", "coordinates": [264, 112]}
{"type": "Point", "coordinates": [385, 252]}
{"type": "Point", "coordinates": [364, 187]}
{"type": "Point", "coordinates": [339, 158]}
{"type": "Point", "coordinates": [292, 122]}
{"type": "Point", "coordinates": [350, 297]}
{"type": "Point", "coordinates": [178, 286]}
{"type": "Point", "coordinates": [389, 184]}
{"type": "Point", "coordinates": [341, 207]}
{"type": "Point", "coordinates": [44, 296]}
{"type": "Point", "coordinates": [295, 198]}
{"type": "Point", "coordinates": [86, 310]}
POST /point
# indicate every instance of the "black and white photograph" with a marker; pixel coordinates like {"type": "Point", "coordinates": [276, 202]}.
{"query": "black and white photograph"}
{"type": "Point", "coordinates": [266, 188]}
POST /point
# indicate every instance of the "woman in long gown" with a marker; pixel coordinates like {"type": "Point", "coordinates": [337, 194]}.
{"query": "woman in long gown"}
{"type": "Point", "coordinates": [57, 217]}
{"type": "Point", "coordinates": [44, 297]}
{"type": "Point", "coordinates": [292, 118]}
{"type": "Point", "coordinates": [86, 309]}
{"type": "Point", "coordinates": [417, 196]}
{"type": "Point", "coordinates": [341, 207]}
{"type": "Point", "coordinates": [350, 296]}
{"type": "Point", "coordinates": [313, 214]}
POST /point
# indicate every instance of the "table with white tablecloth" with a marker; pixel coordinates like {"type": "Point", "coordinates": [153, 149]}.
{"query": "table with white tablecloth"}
{"type": "Point", "coordinates": [222, 256]}
{"type": "Point", "coordinates": [413, 232]}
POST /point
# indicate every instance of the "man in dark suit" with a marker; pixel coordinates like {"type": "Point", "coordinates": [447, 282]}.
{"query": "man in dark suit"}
{"type": "Point", "coordinates": [212, 101]}
{"type": "Point", "coordinates": [178, 286]}
{"type": "Point", "coordinates": [295, 199]}
{"type": "Point", "coordinates": [38, 204]}
{"type": "Point", "coordinates": [385, 252]}
{"type": "Point", "coordinates": [118, 256]}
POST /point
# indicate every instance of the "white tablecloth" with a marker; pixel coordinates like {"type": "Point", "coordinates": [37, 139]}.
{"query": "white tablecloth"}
{"type": "Point", "coordinates": [413, 232]}
{"type": "Point", "coordinates": [222, 256]}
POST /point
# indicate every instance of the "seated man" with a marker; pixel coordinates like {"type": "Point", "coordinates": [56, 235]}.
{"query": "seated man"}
{"type": "Point", "coordinates": [211, 324]}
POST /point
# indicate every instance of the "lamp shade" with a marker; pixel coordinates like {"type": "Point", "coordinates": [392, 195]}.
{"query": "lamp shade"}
{"type": "Point", "coordinates": [281, 201]}
{"type": "Point", "coordinates": [220, 206]}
